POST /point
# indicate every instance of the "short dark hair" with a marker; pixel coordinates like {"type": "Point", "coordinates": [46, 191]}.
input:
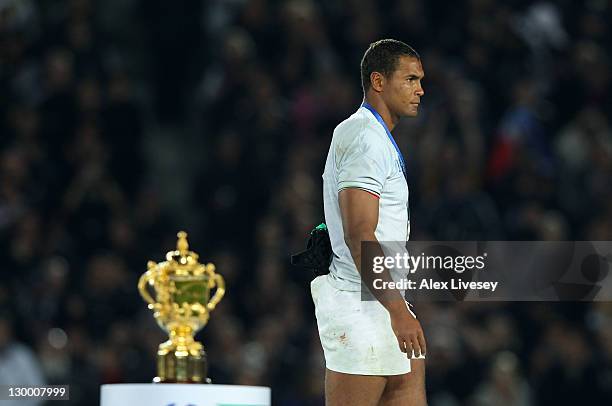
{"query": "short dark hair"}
{"type": "Point", "coordinates": [382, 56]}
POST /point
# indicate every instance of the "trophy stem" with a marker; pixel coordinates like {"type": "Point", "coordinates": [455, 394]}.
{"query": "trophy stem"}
{"type": "Point", "coordinates": [182, 335]}
{"type": "Point", "coordinates": [181, 359]}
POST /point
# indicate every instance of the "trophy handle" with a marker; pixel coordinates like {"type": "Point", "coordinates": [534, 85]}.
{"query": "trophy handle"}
{"type": "Point", "coordinates": [219, 283]}
{"type": "Point", "coordinates": [142, 287]}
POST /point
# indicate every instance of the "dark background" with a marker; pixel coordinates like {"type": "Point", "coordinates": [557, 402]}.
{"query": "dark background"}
{"type": "Point", "coordinates": [125, 121]}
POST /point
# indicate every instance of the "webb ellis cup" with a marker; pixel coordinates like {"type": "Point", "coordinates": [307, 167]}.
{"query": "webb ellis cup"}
{"type": "Point", "coordinates": [181, 304]}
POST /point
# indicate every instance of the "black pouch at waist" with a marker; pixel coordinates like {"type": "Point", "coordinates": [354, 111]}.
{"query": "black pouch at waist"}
{"type": "Point", "coordinates": [318, 253]}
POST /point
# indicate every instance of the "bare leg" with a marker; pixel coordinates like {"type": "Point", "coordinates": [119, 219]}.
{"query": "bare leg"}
{"type": "Point", "coordinates": [353, 390]}
{"type": "Point", "coordinates": [407, 389]}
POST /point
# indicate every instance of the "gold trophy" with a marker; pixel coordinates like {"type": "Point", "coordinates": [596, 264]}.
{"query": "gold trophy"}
{"type": "Point", "coordinates": [182, 306]}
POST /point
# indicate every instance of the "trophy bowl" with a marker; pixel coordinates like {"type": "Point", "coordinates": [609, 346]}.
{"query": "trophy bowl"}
{"type": "Point", "coordinates": [178, 291]}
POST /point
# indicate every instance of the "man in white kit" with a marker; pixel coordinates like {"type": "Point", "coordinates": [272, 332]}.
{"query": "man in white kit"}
{"type": "Point", "coordinates": [368, 344]}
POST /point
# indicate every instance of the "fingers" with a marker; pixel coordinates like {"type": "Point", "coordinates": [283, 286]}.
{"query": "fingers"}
{"type": "Point", "coordinates": [423, 344]}
{"type": "Point", "coordinates": [402, 344]}
{"type": "Point", "coordinates": [416, 347]}
{"type": "Point", "coordinates": [418, 344]}
{"type": "Point", "coordinates": [413, 345]}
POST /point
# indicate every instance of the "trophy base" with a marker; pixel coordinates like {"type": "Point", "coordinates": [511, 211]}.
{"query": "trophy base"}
{"type": "Point", "coordinates": [181, 364]}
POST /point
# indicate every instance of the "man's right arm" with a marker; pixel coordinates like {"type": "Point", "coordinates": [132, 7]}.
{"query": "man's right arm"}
{"type": "Point", "coordinates": [359, 211]}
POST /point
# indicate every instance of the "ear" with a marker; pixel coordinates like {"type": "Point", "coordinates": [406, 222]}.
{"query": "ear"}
{"type": "Point", "coordinates": [377, 81]}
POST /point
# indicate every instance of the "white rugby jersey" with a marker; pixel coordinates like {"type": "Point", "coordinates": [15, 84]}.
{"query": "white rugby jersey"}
{"type": "Point", "coordinates": [361, 155]}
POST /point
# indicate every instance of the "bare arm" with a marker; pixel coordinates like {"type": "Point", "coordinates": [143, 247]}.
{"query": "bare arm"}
{"type": "Point", "coordinates": [359, 211]}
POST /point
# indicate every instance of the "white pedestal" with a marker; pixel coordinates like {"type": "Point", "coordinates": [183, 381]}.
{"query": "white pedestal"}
{"type": "Point", "coordinates": [176, 394]}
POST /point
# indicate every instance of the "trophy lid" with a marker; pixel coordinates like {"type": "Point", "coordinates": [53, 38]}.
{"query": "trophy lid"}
{"type": "Point", "coordinates": [182, 262]}
{"type": "Point", "coordinates": [182, 257]}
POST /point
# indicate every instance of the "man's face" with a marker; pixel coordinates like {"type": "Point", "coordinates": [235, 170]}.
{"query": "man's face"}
{"type": "Point", "coordinates": [402, 90]}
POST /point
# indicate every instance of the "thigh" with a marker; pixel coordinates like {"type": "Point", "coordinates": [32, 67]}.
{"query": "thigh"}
{"type": "Point", "coordinates": [352, 390]}
{"type": "Point", "coordinates": [407, 389]}
{"type": "Point", "coordinates": [356, 336]}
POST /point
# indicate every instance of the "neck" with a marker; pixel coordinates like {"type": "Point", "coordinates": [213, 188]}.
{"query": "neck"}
{"type": "Point", "coordinates": [379, 104]}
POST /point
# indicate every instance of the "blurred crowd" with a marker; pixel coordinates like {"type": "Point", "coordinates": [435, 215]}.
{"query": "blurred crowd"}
{"type": "Point", "coordinates": [125, 121]}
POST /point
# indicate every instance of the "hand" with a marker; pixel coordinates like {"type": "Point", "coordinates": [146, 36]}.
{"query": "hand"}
{"type": "Point", "coordinates": [409, 333]}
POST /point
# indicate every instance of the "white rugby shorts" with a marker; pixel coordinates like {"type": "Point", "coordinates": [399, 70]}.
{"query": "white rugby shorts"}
{"type": "Point", "coordinates": [356, 335]}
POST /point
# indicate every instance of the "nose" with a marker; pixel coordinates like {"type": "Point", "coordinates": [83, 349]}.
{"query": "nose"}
{"type": "Point", "coordinates": [419, 91]}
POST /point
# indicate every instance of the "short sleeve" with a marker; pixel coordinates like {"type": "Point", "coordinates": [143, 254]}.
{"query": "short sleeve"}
{"type": "Point", "coordinates": [362, 164]}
